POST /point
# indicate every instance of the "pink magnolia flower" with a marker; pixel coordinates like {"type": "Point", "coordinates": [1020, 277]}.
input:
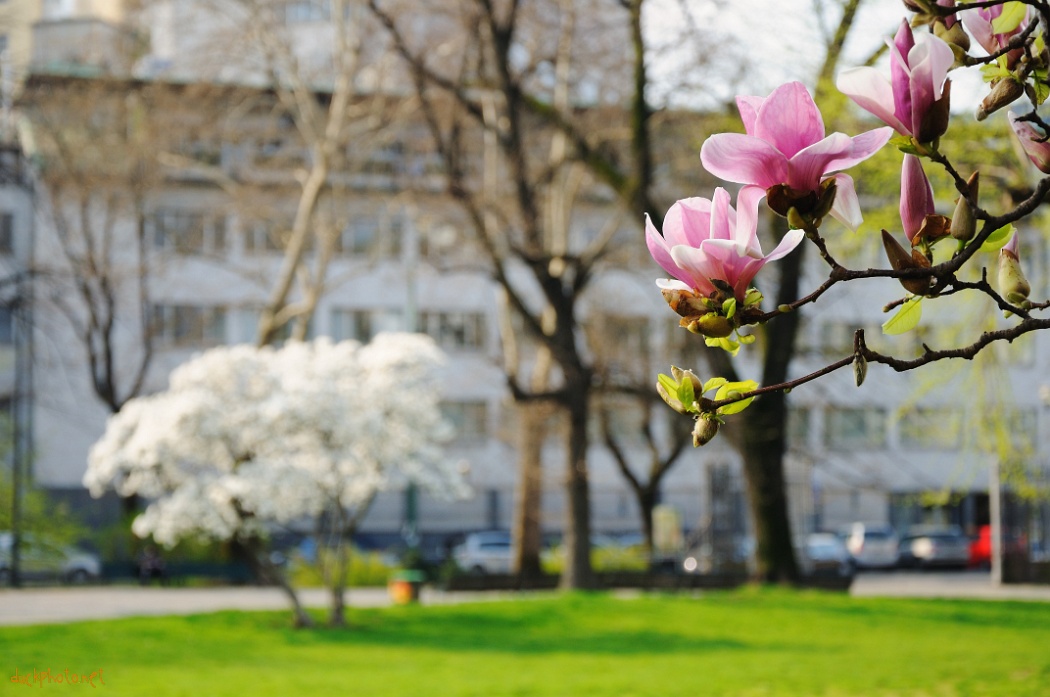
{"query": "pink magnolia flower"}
{"type": "Point", "coordinates": [1033, 141]}
{"type": "Point", "coordinates": [707, 240]}
{"type": "Point", "coordinates": [914, 101]}
{"type": "Point", "coordinates": [978, 21]}
{"type": "Point", "coordinates": [785, 146]}
{"type": "Point", "coordinates": [916, 196]}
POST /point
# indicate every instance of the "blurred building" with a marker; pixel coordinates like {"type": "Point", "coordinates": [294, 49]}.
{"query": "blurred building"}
{"type": "Point", "coordinates": [210, 214]}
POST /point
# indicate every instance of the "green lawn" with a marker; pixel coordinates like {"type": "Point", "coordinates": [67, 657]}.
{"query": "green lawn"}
{"type": "Point", "coordinates": [749, 642]}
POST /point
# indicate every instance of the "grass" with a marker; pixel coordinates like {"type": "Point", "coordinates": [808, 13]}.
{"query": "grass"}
{"type": "Point", "coordinates": [746, 643]}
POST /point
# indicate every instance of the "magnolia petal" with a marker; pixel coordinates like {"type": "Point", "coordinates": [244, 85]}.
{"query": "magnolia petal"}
{"type": "Point", "coordinates": [916, 196]}
{"type": "Point", "coordinates": [790, 119]}
{"type": "Point", "coordinates": [978, 23]}
{"type": "Point", "coordinates": [721, 228]}
{"type": "Point", "coordinates": [846, 208]}
{"type": "Point", "coordinates": [809, 166]}
{"type": "Point", "coordinates": [746, 231]}
{"type": "Point", "coordinates": [930, 61]}
{"type": "Point", "coordinates": [658, 248]}
{"type": "Point", "coordinates": [671, 284]}
{"type": "Point", "coordinates": [749, 108]}
{"type": "Point", "coordinates": [862, 147]}
{"type": "Point", "coordinates": [687, 222]}
{"type": "Point", "coordinates": [697, 267]}
{"type": "Point", "coordinates": [872, 92]}
{"type": "Point", "coordinates": [787, 244]}
{"type": "Point", "coordinates": [744, 159]}
{"type": "Point", "coordinates": [900, 72]}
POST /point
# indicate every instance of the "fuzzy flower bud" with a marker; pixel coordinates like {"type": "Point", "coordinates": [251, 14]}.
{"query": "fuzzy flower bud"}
{"type": "Point", "coordinates": [705, 430]}
{"type": "Point", "coordinates": [1012, 283]}
{"type": "Point", "coordinates": [1005, 91]}
{"type": "Point", "coordinates": [964, 224]}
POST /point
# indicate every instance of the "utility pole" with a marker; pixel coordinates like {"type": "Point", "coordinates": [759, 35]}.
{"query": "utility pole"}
{"type": "Point", "coordinates": [995, 510]}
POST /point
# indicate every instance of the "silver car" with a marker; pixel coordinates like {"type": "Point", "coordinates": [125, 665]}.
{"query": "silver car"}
{"type": "Point", "coordinates": [41, 559]}
{"type": "Point", "coordinates": [873, 546]}
{"type": "Point", "coordinates": [944, 547]}
{"type": "Point", "coordinates": [485, 553]}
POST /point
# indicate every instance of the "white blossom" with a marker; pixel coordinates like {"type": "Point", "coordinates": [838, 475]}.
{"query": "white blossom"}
{"type": "Point", "coordinates": [247, 436]}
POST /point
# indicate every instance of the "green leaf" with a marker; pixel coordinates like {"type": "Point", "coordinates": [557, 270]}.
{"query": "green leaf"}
{"type": "Point", "coordinates": [1011, 17]}
{"type": "Point", "coordinates": [728, 345]}
{"type": "Point", "coordinates": [906, 319]}
{"type": "Point", "coordinates": [668, 383]}
{"type": "Point", "coordinates": [729, 308]}
{"type": "Point", "coordinates": [686, 394]}
{"type": "Point", "coordinates": [714, 384]}
{"type": "Point", "coordinates": [998, 239]}
{"type": "Point", "coordinates": [1040, 86]}
{"type": "Point", "coordinates": [730, 387]}
{"type": "Point", "coordinates": [905, 144]}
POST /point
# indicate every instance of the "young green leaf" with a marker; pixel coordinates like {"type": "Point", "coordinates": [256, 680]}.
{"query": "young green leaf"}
{"type": "Point", "coordinates": [1010, 18]}
{"type": "Point", "coordinates": [714, 384]}
{"type": "Point", "coordinates": [998, 239]}
{"type": "Point", "coordinates": [725, 391]}
{"type": "Point", "coordinates": [686, 393]}
{"type": "Point", "coordinates": [906, 318]}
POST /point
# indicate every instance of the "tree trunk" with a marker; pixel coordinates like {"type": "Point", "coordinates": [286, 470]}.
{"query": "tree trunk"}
{"type": "Point", "coordinates": [763, 453]}
{"type": "Point", "coordinates": [577, 572]}
{"type": "Point", "coordinates": [527, 531]}
{"type": "Point", "coordinates": [265, 571]}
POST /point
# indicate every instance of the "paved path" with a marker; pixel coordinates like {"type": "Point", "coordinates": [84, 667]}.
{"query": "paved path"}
{"type": "Point", "coordinates": [59, 605]}
{"type": "Point", "coordinates": [946, 584]}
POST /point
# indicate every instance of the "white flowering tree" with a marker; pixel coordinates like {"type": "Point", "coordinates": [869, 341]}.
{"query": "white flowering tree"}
{"type": "Point", "coordinates": [247, 437]}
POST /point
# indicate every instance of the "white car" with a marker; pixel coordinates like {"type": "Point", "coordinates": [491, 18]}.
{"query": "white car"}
{"type": "Point", "coordinates": [873, 546]}
{"type": "Point", "coordinates": [485, 553]}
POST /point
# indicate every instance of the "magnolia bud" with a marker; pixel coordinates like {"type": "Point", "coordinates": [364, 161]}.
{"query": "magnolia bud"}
{"type": "Point", "coordinates": [900, 260]}
{"type": "Point", "coordinates": [712, 325]}
{"type": "Point", "coordinates": [1005, 91]}
{"type": "Point", "coordinates": [964, 224]}
{"type": "Point", "coordinates": [1012, 283]}
{"type": "Point", "coordinates": [860, 369]}
{"type": "Point", "coordinates": [705, 430]}
{"type": "Point", "coordinates": [680, 375]}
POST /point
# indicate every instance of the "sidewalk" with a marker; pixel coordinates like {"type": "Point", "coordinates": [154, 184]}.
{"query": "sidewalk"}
{"type": "Point", "coordinates": [64, 604]}
{"type": "Point", "coordinates": [60, 605]}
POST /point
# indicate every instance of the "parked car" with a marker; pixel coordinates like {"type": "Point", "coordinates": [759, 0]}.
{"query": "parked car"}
{"type": "Point", "coordinates": [824, 554]}
{"type": "Point", "coordinates": [981, 547]}
{"type": "Point", "coordinates": [872, 546]}
{"type": "Point", "coordinates": [41, 559]}
{"type": "Point", "coordinates": [940, 547]}
{"type": "Point", "coordinates": [487, 552]}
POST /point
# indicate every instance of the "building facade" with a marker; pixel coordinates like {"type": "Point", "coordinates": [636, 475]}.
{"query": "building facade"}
{"type": "Point", "coordinates": [198, 238]}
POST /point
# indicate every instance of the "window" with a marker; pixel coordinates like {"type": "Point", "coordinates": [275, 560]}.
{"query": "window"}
{"type": "Point", "coordinates": [307, 11]}
{"type": "Point", "coordinates": [855, 428]}
{"type": "Point", "coordinates": [362, 325]}
{"type": "Point", "coordinates": [469, 419]}
{"type": "Point", "coordinates": [7, 233]}
{"type": "Point", "coordinates": [189, 232]}
{"type": "Point", "coordinates": [372, 236]}
{"type": "Point", "coordinates": [189, 325]}
{"type": "Point", "coordinates": [929, 427]}
{"type": "Point", "coordinates": [7, 325]}
{"type": "Point", "coordinates": [799, 427]}
{"type": "Point", "coordinates": [454, 330]}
